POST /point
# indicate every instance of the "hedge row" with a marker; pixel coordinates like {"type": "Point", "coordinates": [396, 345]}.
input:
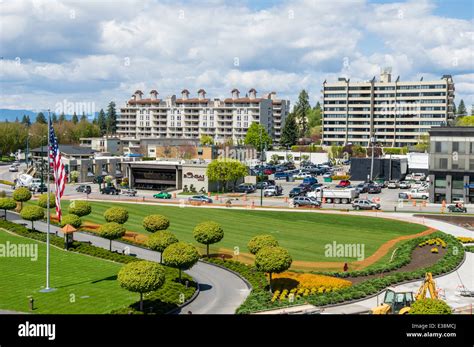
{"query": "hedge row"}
{"type": "Point", "coordinates": [161, 301]}
{"type": "Point", "coordinates": [308, 149]}
{"type": "Point", "coordinates": [261, 299]}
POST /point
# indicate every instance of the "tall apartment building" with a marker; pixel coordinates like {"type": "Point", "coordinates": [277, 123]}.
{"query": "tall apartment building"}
{"type": "Point", "coordinates": [394, 113]}
{"type": "Point", "coordinates": [192, 117]}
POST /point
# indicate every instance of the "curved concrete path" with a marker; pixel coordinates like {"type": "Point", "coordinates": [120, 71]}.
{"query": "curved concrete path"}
{"type": "Point", "coordinates": [221, 291]}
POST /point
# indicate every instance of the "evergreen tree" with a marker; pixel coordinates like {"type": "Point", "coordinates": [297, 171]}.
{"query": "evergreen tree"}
{"type": "Point", "coordinates": [26, 120]}
{"type": "Point", "coordinates": [84, 117]}
{"type": "Point", "coordinates": [102, 122]}
{"type": "Point", "coordinates": [54, 118]}
{"type": "Point", "coordinates": [462, 111]}
{"type": "Point", "coordinates": [75, 120]}
{"type": "Point", "coordinates": [17, 120]}
{"type": "Point", "coordinates": [41, 119]}
{"type": "Point", "coordinates": [302, 109]}
{"type": "Point", "coordinates": [62, 117]}
{"type": "Point", "coordinates": [289, 133]}
{"type": "Point", "coordinates": [111, 118]}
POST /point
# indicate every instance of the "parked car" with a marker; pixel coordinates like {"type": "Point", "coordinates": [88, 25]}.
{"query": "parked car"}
{"type": "Point", "coordinates": [393, 184]}
{"type": "Point", "coordinates": [344, 184]}
{"type": "Point", "coordinates": [457, 208]}
{"type": "Point", "coordinates": [245, 188]}
{"type": "Point", "coordinates": [42, 188]}
{"type": "Point", "coordinates": [327, 175]}
{"type": "Point", "coordinates": [417, 176]}
{"type": "Point", "coordinates": [364, 204]}
{"type": "Point", "coordinates": [262, 185]}
{"type": "Point", "coordinates": [414, 194]}
{"type": "Point", "coordinates": [305, 201]}
{"type": "Point", "coordinates": [362, 188]}
{"type": "Point", "coordinates": [310, 180]}
{"type": "Point", "coordinates": [162, 195]}
{"type": "Point", "coordinates": [13, 168]}
{"type": "Point", "coordinates": [200, 198]}
{"type": "Point", "coordinates": [84, 188]}
{"type": "Point", "coordinates": [110, 190]}
{"type": "Point", "coordinates": [404, 185]}
{"type": "Point", "coordinates": [296, 192]}
{"type": "Point", "coordinates": [273, 191]}
{"type": "Point", "coordinates": [129, 192]}
{"type": "Point", "coordinates": [374, 189]}
{"type": "Point", "coordinates": [282, 175]}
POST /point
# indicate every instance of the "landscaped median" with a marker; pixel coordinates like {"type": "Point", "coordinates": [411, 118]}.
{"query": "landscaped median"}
{"type": "Point", "coordinates": [323, 289]}
{"type": "Point", "coordinates": [85, 278]}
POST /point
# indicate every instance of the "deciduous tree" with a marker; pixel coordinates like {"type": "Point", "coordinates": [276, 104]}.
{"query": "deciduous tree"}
{"type": "Point", "coordinates": [208, 233]}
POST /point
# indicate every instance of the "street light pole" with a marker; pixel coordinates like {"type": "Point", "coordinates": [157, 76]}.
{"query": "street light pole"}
{"type": "Point", "coordinates": [372, 140]}
{"type": "Point", "coordinates": [261, 170]}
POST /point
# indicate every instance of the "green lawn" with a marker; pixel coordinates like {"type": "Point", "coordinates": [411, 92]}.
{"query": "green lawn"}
{"type": "Point", "coordinates": [303, 234]}
{"type": "Point", "coordinates": [90, 280]}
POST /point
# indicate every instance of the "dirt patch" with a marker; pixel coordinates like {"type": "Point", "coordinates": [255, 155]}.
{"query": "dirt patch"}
{"type": "Point", "coordinates": [421, 257]}
{"type": "Point", "coordinates": [459, 220]}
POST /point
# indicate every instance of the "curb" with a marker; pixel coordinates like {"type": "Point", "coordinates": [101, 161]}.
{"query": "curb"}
{"type": "Point", "coordinates": [191, 299]}
{"type": "Point", "coordinates": [247, 283]}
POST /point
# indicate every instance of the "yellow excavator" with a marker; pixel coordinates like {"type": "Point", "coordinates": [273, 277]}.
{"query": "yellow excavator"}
{"type": "Point", "coordinates": [400, 302]}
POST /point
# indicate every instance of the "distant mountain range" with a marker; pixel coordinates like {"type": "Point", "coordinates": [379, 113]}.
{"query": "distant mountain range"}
{"type": "Point", "coordinates": [11, 115]}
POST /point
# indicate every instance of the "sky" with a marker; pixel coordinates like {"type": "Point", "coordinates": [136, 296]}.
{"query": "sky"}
{"type": "Point", "coordinates": [72, 54]}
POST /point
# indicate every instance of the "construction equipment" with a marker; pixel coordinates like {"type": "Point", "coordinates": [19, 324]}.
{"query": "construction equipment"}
{"type": "Point", "coordinates": [400, 302]}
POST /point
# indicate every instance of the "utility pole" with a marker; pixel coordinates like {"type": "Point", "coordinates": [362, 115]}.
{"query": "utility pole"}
{"type": "Point", "coordinates": [372, 140]}
{"type": "Point", "coordinates": [261, 164]}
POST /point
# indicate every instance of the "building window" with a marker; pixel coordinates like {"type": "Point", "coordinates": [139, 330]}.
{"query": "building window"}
{"type": "Point", "coordinates": [459, 165]}
{"type": "Point", "coordinates": [442, 163]}
{"type": "Point", "coordinates": [440, 183]}
{"type": "Point", "coordinates": [458, 184]}
{"type": "Point", "coordinates": [471, 164]}
{"type": "Point", "coordinates": [441, 147]}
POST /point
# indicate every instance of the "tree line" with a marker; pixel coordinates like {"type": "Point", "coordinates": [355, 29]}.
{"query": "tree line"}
{"type": "Point", "coordinates": [15, 134]}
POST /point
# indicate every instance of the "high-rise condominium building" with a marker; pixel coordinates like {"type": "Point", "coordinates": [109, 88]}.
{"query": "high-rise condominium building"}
{"type": "Point", "coordinates": [192, 117]}
{"type": "Point", "coordinates": [392, 113]}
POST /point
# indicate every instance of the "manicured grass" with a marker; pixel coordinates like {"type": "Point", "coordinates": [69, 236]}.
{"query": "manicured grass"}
{"type": "Point", "coordinates": [90, 281]}
{"type": "Point", "coordinates": [303, 234]}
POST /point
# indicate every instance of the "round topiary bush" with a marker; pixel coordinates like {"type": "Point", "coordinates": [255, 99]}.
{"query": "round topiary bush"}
{"type": "Point", "coordinates": [141, 277]}
{"type": "Point", "coordinates": [116, 214]}
{"type": "Point", "coordinates": [180, 255]}
{"type": "Point", "coordinates": [111, 231]}
{"type": "Point", "coordinates": [273, 260]}
{"type": "Point", "coordinates": [430, 306]}
{"type": "Point", "coordinates": [160, 240]}
{"type": "Point", "coordinates": [21, 195]}
{"type": "Point", "coordinates": [208, 233]}
{"type": "Point", "coordinates": [260, 241]}
{"type": "Point", "coordinates": [71, 219]}
{"type": "Point", "coordinates": [43, 200]}
{"type": "Point", "coordinates": [7, 204]}
{"type": "Point", "coordinates": [32, 213]}
{"type": "Point", "coordinates": [155, 222]}
{"type": "Point", "coordinates": [80, 208]}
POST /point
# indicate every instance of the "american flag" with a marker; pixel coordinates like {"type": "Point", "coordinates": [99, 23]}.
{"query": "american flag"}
{"type": "Point", "coordinates": [58, 169]}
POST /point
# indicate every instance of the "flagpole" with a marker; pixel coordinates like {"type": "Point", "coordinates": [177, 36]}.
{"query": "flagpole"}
{"type": "Point", "coordinates": [47, 288]}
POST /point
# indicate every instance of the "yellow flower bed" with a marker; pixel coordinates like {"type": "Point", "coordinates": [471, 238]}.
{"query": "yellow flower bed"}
{"type": "Point", "coordinates": [434, 250]}
{"type": "Point", "coordinates": [301, 285]}
{"type": "Point", "coordinates": [433, 242]}
{"type": "Point", "coordinates": [466, 239]}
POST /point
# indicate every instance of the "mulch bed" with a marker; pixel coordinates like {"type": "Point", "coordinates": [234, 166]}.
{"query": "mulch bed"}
{"type": "Point", "coordinates": [421, 257]}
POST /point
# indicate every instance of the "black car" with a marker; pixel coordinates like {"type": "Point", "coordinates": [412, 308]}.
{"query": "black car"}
{"type": "Point", "coordinates": [245, 188]}
{"type": "Point", "coordinates": [374, 189]}
{"type": "Point", "coordinates": [110, 190]}
{"type": "Point", "coordinates": [83, 188]}
{"type": "Point", "coordinates": [297, 191]}
{"type": "Point", "coordinates": [305, 187]}
{"type": "Point", "coordinates": [362, 188]}
{"type": "Point", "coordinates": [41, 189]}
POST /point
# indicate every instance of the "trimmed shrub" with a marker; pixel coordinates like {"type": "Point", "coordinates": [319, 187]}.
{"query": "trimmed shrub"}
{"type": "Point", "coordinates": [141, 277]}
{"type": "Point", "coordinates": [273, 260]}
{"type": "Point", "coordinates": [160, 240]}
{"type": "Point", "coordinates": [111, 231]}
{"type": "Point", "coordinates": [116, 215]}
{"type": "Point", "coordinates": [32, 213]}
{"type": "Point", "coordinates": [180, 255]}
{"type": "Point", "coordinates": [43, 200]}
{"type": "Point", "coordinates": [7, 204]}
{"type": "Point", "coordinates": [155, 222]}
{"type": "Point", "coordinates": [258, 242]}
{"type": "Point", "coordinates": [430, 306]}
{"type": "Point", "coordinates": [71, 219]}
{"type": "Point", "coordinates": [208, 233]}
{"type": "Point", "coordinates": [21, 195]}
{"type": "Point", "coordinates": [80, 208]}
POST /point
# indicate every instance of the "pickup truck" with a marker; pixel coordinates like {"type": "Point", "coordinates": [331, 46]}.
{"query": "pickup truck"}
{"type": "Point", "coordinates": [414, 194]}
{"type": "Point", "coordinates": [336, 196]}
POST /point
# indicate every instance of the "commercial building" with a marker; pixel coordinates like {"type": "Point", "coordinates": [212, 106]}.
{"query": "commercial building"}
{"type": "Point", "coordinates": [451, 164]}
{"type": "Point", "coordinates": [87, 162]}
{"type": "Point", "coordinates": [193, 117]}
{"type": "Point", "coordinates": [392, 113]}
{"type": "Point", "coordinates": [297, 157]}
{"type": "Point", "coordinates": [384, 169]}
{"type": "Point", "coordinates": [109, 145]}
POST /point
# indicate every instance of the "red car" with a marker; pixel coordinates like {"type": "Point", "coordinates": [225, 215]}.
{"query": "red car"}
{"type": "Point", "coordinates": [344, 183]}
{"type": "Point", "coordinates": [268, 172]}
